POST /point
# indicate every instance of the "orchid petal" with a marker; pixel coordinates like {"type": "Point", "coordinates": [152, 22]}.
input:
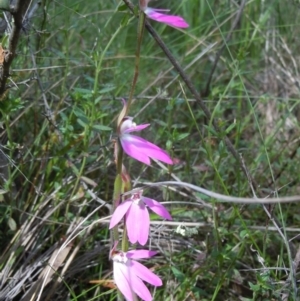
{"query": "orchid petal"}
{"type": "Point", "coordinates": [129, 274]}
{"type": "Point", "coordinates": [145, 274]}
{"type": "Point", "coordinates": [139, 287]}
{"type": "Point", "coordinates": [151, 149]}
{"type": "Point", "coordinates": [138, 223]}
{"type": "Point", "coordinates": [136, 128]}
{"type": "Point", "coordinates": [126, 123]}
{"type": "Point", "coordinates": [157, 208]}
{"type": "Point", "coordinates": [132, 151]}
{"type": "Point", "coordinates": [120, 212]}
{"type": "Point", "coordinates": [171, 20]}
{"type": "Point", "coordinates": [122, 280]}
{"type": "Point", "coordinates": [140, 254]}
{"type": "Point", "coordinates": [138, 147]}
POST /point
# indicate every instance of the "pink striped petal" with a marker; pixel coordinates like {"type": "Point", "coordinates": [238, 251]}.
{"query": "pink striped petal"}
{"type": "Point", "coordinates": [175, 21]}
{"type": "Point", "coordinates": [138, 223]}
{"type": "Point", "coordinates": [140, 254]}
{"type": "Point", "coordinates": [139, 287]}
{"type": "Point", "coordinates": [138, 147]}
{"type": "Point", "coordinates": [145, 274]}
{"type": "Point", "coordinates": [120, 212]}
{"type": "Point", "coordinates": [121, 277]}
{"type": "Point", "coordinates": [135, 128]}
{"type": "Point", "coordinates": [129, 274]}
{"type": "Point", "coordinates": [132, 151]}
{"type": "Point", "coordinates": [151, 149]}
{"type": "Point", "coordinates": [158, 208]}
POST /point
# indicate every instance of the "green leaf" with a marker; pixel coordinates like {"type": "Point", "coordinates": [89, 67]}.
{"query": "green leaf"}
{"type": "Point", "coordinates": [79, 113]}
{"type": "Point", "coordinates": [125, 20]}
{"type": "Point", "coordinates": [254, 287]}
{"type": "Point", "coordinates": [122, 7]}
{"type": "Point", "coordinates": [230, 128]}
{"type": "Point", "coordinates": [81, 122]}
{"type": "Point", "coordinates": [88, 57]}
{"type": "Point", "coordinates": [83, 91]}
{"type": "Point", "coordinates": [107, 89]}
{"type": "Point", "coordinates": [182, 136]}
{"type": "Point", "coordinates": [169, 144]}
{"type": "Point", "coordinates": [101, 128]}
{"type": "Point", "coordinates": [179, 275]}
{"type": "Point", "coordinates": [244, 234]}
{"type": "Point", "coordinates": [210, 129]}
{"type": "Point", "coordinates": [12, 224]}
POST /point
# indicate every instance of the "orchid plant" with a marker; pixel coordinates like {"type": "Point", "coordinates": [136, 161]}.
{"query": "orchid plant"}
{"type": "Point", "coordinates": [139, 148]}
{"type": "Point", "coordinates": [133, 211]}
{"type": "Point", "coordinates": [137, 216]}
{"type": "Point", "coordinates": [130, 274]}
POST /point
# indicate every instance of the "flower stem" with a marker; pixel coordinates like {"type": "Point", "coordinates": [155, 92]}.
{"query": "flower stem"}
{"type": "Point", "coordinates": [119, 158]}
{"type": "Point", "coordinates": [117, 185]}
{"type": "Point", "coordinates": [116, 201]}
{"type": "Point", "coordinates": [125, 244]}
{"type": "Point", "coordinates": [141, 27]}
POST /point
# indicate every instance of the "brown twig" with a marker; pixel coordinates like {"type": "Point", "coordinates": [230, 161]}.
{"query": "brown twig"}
{"type": "Point", "coordinates": [17, 11]}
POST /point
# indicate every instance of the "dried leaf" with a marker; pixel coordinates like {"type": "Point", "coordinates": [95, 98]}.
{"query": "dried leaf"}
{"type": "Point", "coordinates": [2, 55]}
{"type": "Point", "coordinates": [104, 283]}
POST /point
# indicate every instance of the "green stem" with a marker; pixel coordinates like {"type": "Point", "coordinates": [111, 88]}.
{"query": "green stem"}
{"type": "Point", "coordinates": [119, 158]}
{"type": "Point", "coordinates": [116, 200]}
{"type": "Point", "coordinates": [117, 187]}
{"type": "Point", "coordinates": [141, 27]}
{"type": "Point", "coordinates": [125, 243]}
{"type": "Point", "coordinates": [119, 171]}
{"type": "Point", "coordinates": [99, 62]}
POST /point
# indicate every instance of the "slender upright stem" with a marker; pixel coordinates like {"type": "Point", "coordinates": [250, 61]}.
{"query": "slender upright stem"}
{"type": "Point", "coordinates": [141, 27]}
{"type": "Point", "coordinates": [117, 187]}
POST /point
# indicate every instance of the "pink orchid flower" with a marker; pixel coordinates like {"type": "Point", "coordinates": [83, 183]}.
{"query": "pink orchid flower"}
{"type": "Point", "coordinates": [137, 216]}
{"type": "Point", "coordinates": [139, 148]}
{"type": "Point", "coordinates": [130, 274]}
{"type": "Point", "coordinates": [157, 15]}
